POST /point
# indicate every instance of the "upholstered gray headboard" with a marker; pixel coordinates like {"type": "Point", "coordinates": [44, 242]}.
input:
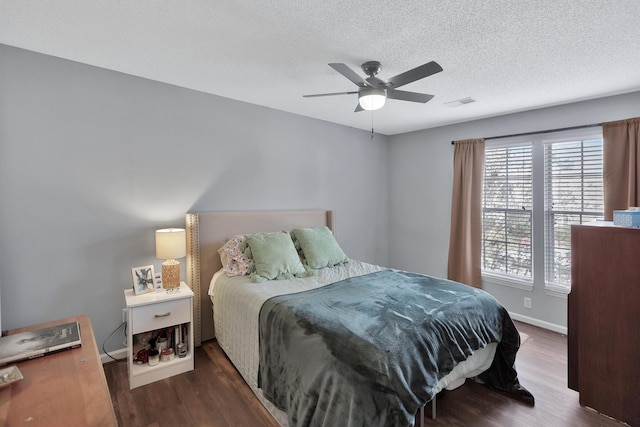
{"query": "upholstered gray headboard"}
{"type": "Point", "coordinates": [208, 231]}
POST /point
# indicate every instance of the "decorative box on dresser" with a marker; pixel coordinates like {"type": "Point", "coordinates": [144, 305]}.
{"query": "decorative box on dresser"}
{"type": "Point", "coordinates": [159, 311]}
{"type": "Point", "coordinates": [604, 319]}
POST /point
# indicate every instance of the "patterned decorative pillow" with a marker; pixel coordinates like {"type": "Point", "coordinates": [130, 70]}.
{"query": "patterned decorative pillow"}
{"type": "Point", "coordinates": [233, 257]}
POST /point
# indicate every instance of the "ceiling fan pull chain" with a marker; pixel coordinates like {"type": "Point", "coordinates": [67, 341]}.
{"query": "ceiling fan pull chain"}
{"type": "Point", "coordinates": [372, 135]}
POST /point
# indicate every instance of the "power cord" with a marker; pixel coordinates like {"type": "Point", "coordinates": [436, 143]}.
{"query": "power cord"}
{"type": "Point", "coordinates": [110, 335]}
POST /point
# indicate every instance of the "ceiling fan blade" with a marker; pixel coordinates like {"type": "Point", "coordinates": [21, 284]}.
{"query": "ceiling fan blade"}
{"type": "Point", "coordinates": [349, 73]}
{"type": "Point", "coordinates": [358, 108]}
{"type": "Point", "coordinates": [425, 70]}
{"type": "Point", "coordinates": [403, 95]}
{"type": "Point", "coordinates": [329, 94]}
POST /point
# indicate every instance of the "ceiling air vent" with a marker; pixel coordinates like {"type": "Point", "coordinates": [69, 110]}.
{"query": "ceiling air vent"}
{"type": "Point", "coordinates": [459, 102]}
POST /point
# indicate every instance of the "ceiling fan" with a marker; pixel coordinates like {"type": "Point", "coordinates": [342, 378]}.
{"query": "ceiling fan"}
{"type": "Point", "coordinates": [373, 92]}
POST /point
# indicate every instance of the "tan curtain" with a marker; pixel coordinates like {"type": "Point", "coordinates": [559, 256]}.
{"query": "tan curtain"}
{"type": "Point", "coordinates": [621, 167]}
{"type": "Point", "coordinates": [466, 212]}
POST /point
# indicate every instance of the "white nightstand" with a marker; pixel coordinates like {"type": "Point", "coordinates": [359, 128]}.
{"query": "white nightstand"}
{"type": "Point", "coordinates": [159, 311]}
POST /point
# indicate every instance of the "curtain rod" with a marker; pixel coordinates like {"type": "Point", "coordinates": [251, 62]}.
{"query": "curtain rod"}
{"type": "Point", "coordinates": [541, 131]}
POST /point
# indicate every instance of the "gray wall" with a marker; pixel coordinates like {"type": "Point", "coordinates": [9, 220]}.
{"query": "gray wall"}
{"type": "Point", "coordinates": [420, 182]}
{"type": "Point", "coordinates": [92, 162]}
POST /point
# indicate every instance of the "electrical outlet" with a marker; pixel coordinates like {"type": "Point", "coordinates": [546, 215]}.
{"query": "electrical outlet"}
{"type": "Point", "coordinates": [527, 302]}
{"type": "Point", "coordinates": [124, 315]}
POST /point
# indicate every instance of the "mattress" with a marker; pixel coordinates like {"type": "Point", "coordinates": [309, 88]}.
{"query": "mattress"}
{"type": "Point", "coordinates": [237, 302]}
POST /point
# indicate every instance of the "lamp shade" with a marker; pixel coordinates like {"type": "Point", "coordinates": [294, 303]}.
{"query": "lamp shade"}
{"type": "Point", "coordinates": [171, 243]}
{"type": "Point", "coordinates": [372, 98]}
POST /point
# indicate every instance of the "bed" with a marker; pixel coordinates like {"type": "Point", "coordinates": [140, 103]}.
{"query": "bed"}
{"type": "Point", "coordinates": [242, 330]}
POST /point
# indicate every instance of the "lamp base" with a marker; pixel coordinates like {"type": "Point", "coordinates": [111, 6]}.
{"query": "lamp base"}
{"type": "Point", "coordinates": [170, 274]}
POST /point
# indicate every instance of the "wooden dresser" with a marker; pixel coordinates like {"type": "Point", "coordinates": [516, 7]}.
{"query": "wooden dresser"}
{"type": "Point", "coordinates": [61, 389]}
{"type": "Point", "coordinates": [604, 319]}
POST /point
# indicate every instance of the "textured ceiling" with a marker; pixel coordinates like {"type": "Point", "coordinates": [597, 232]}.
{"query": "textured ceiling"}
{"type": "Point", "coordinates": [507, 55]}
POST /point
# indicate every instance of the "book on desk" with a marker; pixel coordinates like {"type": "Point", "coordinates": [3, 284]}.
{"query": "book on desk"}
{"type": "Point", "coordinates": [39, 342]}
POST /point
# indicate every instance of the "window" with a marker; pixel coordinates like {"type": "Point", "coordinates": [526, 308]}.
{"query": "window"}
{"type": "Point", "coordinates": [506, 211]}
{"type": "Point", "coordinates": [573, 192]}
{"type": "Point", "coordinates": [533, 192]}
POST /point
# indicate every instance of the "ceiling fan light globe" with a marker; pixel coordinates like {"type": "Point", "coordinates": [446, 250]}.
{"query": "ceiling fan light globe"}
{"type": "Point", "coordinates": [372, 99]}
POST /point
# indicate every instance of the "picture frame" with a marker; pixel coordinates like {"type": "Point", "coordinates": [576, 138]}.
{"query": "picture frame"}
{"type": "Point", "coordinates": [143, 279]}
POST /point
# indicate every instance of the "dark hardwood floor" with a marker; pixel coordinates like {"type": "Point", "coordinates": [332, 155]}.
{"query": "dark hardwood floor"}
{"type": "Point", "coordinates": [215, 394]}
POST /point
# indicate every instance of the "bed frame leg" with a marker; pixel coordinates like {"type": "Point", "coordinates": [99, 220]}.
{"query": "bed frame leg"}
{"type": "Point", "coordinates": [433, 408]}
{"type": "Point", "coordinates": [433, 412]}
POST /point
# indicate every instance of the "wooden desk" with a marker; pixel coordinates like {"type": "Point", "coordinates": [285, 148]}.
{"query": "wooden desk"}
{"type": "Point", "coordinates": [61, 389]}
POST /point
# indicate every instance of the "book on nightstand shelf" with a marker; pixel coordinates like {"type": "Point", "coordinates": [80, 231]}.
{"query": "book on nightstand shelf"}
{"type": "Point", "coordinates": [40, 342]}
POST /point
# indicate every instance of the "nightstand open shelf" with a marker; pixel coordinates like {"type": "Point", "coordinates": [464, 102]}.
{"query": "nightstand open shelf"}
{"type": "Point", "coordinates": [158, 311]}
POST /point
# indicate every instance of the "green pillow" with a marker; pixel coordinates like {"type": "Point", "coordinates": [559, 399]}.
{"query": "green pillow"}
{"type": "Point", "coordinates": [274, 257]}
{"type": "Point", "coordinates": [319, 247]}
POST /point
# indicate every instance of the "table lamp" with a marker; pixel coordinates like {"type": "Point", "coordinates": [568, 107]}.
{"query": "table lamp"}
{"type": "Point", "coordinates": [171, 244]}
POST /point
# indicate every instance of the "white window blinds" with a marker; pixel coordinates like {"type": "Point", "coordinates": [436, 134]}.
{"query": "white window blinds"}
{"type": "Point", "coordinates": [506, 211]}
{"type": "Point", "coordinates": [573, 191]}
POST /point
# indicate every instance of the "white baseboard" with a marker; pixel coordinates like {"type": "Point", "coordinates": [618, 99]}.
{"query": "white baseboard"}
{"type": "Point", "coordinates": [539, 323]}
{"type": "Point", "coordinates": [118, 354]}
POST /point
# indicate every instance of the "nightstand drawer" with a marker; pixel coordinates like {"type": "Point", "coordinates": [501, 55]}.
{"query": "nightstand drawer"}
{"type": "Point", "coordinates": [161, 315]}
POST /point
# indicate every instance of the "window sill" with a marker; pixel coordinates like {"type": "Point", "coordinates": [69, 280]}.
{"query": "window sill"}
{"type": "Point", "coordinates": [497, 279]}
{"type": "Point", "coordinates": [557, 290]}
